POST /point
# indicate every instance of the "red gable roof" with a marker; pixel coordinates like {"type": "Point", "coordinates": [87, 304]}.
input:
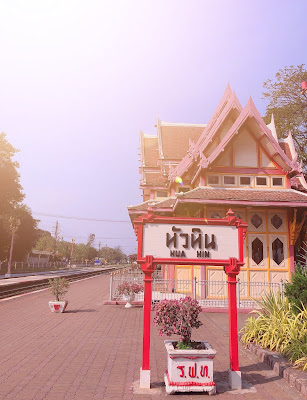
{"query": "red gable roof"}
{"type": "Point", "coordinates": [155, 179]}
{"type": "Point", "coordinates": [151, 151]}
{"type": "Point", "coordinates": [175, 139]}
{"type": "Point", "coordinates": [245, 195]}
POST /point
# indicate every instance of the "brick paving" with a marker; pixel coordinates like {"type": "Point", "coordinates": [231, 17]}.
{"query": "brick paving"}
{"type": "Point", "coordinates": [94, 351]}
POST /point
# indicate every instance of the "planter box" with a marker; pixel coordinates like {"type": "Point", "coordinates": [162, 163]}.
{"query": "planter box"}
{"type": "Point", "coordinates": [189, 370]}
{"type": "Point", "coordinates": [128, 298]}
{"type": "Point", "coordinates": [58, 306]}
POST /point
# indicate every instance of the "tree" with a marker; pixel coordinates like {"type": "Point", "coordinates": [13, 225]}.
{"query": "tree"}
{"type": "Point", "coordinates": [132, 257]}
{"type": "Point", "coordinates": [26, 234]}
{"type": "Point", "coordinates": [44, 242]}
{"type": "Point", "coordinates": [111, 255]}
{"type": "Point", "coordinates": [91, 239]}
{"type": "Point", "coordinates": [288, 105]}
{"type": "Point", "coordinates": [84, 252]}
{"type": "Point", "coordinates": [11, 197]}
{"type": "Point", "coordinates": [11, 191]}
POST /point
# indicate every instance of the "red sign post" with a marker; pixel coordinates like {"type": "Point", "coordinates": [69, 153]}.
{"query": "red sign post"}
{"type": "Point", "coordinates": [191, 241]}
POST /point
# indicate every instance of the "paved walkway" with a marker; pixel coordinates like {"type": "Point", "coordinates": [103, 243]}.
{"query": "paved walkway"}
{"type": "Point", "coordinates": [93, 351]}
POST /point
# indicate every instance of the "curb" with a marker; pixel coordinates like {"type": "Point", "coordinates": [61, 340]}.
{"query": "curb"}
{"type": "Point", "coordinates": [203, 309]}
{"type": "Point", "coordinates": [282, 367]}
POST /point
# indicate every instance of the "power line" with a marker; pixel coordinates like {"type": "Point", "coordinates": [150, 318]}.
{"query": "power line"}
{"type": "Point", "coordinates": [80, 218]}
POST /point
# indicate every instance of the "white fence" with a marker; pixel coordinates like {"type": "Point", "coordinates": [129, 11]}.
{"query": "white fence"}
{"type": "Point", "coordinates": [20, 265]}
{"type": "Point", "coordinates": [208, 293]}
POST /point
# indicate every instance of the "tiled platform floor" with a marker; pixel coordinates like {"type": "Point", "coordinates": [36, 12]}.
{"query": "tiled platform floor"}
{"type": "Point", "coordinates": [93, 351]}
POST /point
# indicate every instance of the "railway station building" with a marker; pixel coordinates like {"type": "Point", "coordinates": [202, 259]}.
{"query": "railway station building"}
{"type": "Point", "coordinates": [236, 162]}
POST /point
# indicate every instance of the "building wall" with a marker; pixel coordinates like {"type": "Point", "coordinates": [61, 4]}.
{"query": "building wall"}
{"type": "Point", "coordinates": [268, 253]}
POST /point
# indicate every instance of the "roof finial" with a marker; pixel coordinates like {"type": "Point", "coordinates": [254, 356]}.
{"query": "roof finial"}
{"type": "Point", "coordinates": [227, 90]}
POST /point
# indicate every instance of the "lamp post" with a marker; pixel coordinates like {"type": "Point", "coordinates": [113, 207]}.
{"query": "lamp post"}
{"type": "Point", "coordinates": [14, 223]}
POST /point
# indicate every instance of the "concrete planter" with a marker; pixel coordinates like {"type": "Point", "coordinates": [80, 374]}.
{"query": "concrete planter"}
{"type": "Point", "coordinates": [189, 370]}
{"type": "Point", "coordinates": [58, 306]}
{"type": "Point", "coordinates": [128, 298]}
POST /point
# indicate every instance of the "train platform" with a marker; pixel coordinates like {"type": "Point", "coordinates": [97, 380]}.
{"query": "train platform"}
{"type": "Point", "coordinates": [94, 350]}
{"type": "Point", "coordinates": [35, 276]}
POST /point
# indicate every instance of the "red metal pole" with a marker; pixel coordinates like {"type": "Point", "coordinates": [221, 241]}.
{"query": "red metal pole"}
{"type": "Point", "coordinates": [147, 320]}
{"type": "Point", "coordinates": [233, 322]}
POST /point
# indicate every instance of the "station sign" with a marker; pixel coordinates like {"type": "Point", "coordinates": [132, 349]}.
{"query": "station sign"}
{"type": "Point", "coordinates": [190, 241]}
{"type": "Point", "coordinates": [182, 239]}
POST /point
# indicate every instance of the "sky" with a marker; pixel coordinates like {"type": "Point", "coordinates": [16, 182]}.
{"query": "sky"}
{"type": "Point", "coordinates": [80, 79]}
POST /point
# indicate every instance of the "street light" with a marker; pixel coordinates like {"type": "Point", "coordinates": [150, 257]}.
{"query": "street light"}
{"type": "Point", "coordinates": [14, 223]}
{"type": "Point", "coordinates": [304, 89]}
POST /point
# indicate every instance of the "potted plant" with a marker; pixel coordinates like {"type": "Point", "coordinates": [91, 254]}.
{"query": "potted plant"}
{"type": "Point", "coordinates": [58, 287]}
{"type": "Point", "coordinates": [189, 363]}
{"type": "Point", "coordinates": [128, 291]}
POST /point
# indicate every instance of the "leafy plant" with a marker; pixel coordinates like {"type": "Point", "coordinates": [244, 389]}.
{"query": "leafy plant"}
{"type": "Point", "coordinates": [178, 317]}
{"type": "Point", "coordinates": [129, 288]}
{"type": "Point", "coordinates": [296, 291]}
{"type": "Point", "coordinates": [278, 328]}
{"type": "Point", "coordinates": [59, 287]}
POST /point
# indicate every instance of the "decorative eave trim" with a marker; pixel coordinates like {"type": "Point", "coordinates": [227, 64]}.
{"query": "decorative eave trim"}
{"type": "Point", "coordinates": [261, 123]}
{"type": "Point", "coordinates": [141, 204]}
{"type": "Point", "coordinates": [216, 115]}
{"type": "Point", "coordinates": [272, 128]}
{"type": "Point", "coordinates": [161, 156]}
{"type": "Point", "coordinates": [249, 111]}
{"type": "Point", "coordinates": [289, 141]}
{"type": "Point", "coordinates": [142, 150]}
{"type": "Point", "coordinates": [301, 178]}
{"type": "Point", "coordinates": [232, 103]}
{"type": "Point", "coordinates": [227, 103]}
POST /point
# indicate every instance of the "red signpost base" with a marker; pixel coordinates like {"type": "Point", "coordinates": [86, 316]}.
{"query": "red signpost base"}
{"type": "Point", "coordinates": [148, 269]}
{"type": "Point", "coordinates": [148, 264]}
{"type": "Point", "coordinates": [232, 271]}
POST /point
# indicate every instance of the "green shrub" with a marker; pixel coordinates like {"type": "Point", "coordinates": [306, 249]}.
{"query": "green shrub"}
{"type": "Point", "coordinates": [278, 328]}
{"type": "Point", "coordinates": [59, 287]}
{"type": "Point", "coordinates": [296, 291]}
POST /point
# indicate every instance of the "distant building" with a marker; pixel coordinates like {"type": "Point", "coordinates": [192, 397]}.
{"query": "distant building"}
{"type": "Point", "coordinates": [235, 161]}
{"type": "Point", "coordinates": [39, 256]}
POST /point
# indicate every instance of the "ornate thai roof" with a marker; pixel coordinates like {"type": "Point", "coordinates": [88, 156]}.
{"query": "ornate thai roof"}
{"type": "Point", "coordinates": [226, 196]}
{"type": "Point", "coordinates": [165, 204]}
{"type": "Point", "coordinates": [155, 179]}
{"type": "Point", "coordinates": [246, 196]}
{"type": "Point", "coordinates": [248, 115]}
{"type": "Point", "coordinates": [185, 150]}
{"type": "Point", "coordinates": [175, 139]}
{"type": "Point", "coordinates": [151, 151]}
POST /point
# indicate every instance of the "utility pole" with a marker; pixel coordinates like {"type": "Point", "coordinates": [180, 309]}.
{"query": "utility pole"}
{"type": "Point", "coordinates": [56, 236]}
{"type": "Point", "coordinates": [72, 250]}
{"type": "Point", "coordinates": [14, 223]}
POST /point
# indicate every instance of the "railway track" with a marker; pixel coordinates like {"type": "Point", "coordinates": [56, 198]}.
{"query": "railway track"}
{"type": "Point", "coordinates": [17, 288]}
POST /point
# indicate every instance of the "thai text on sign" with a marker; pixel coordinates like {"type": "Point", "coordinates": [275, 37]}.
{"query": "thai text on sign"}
{"type": "Point", "coordinates": [193, 371]}
{"type": "Point", "coordinates": [189, 241]}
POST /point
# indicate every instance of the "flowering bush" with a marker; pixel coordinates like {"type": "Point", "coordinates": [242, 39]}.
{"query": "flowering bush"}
{"type": "Point", "coordinates": [58, 287]}
{"type": "Point", "coordinates": [129, 288]}
{"type": "Point", "coordinates": [178, 317]}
